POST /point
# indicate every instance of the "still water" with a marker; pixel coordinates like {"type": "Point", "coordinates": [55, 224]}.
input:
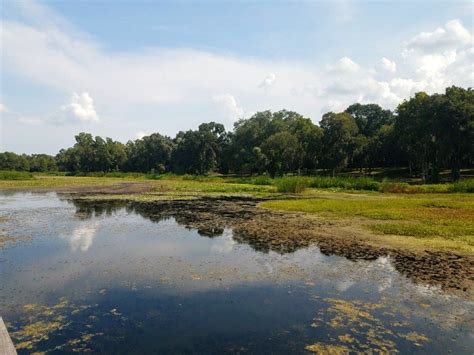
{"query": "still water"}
{"type": "Point", "coordinates": [107, 279]}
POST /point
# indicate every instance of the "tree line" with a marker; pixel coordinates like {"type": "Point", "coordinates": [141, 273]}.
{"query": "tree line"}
{"type": "Point", "coordinates": [425, 133]}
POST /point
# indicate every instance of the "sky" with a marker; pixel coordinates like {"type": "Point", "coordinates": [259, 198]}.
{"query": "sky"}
{"type": "Point", "coordinates": [125, 69]}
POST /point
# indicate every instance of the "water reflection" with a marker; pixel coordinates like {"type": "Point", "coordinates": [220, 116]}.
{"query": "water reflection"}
{"type": "Point", "coordinates": [126, 277]}
{"type": "Point", "coordinates": [212, 218]}
{"type": "Point", "coordinates": [82, 237]}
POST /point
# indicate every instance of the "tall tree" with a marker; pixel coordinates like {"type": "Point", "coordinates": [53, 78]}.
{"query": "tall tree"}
{"type": "Point", "coordinates": [339, 132]}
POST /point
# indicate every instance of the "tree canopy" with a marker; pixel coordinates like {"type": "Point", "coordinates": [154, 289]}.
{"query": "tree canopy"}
{"type": "Point", "coordinates": [425, 133]}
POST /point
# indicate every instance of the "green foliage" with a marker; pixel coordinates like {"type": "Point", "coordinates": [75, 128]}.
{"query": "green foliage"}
{"type": "Point", "coordinates": [199, 152]}
{"type": "Point", "coordinates": [463, 186]}
{"type": "Point", "coordinates": [427, 134]}
{"type": "Point", "coordinates": [150, 154]}
{"type": "Point", "coordinates": [34, 163]}
{"type": "Point", "coordinates": [347, 183]}
{"type": "Point", "coordinates": [292, 184]}
{"type": "Point", "coordinates": [340, 130]}
{"type": "Point", "coordinates": [261, 180]}
{"type": "Point", "coordinates": [15, 175]}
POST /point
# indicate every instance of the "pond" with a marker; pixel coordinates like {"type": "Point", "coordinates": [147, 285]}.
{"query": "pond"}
{"type": "Point", "coordinates": [108, 278]}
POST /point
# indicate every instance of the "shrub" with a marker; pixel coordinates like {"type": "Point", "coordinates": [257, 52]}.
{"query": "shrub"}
{"type": "Point", "coordinates": [262, 180]}
{"type": "Point", "coordinates": [347, 183]}
{"type": "Point", "coordinates": [15, 175]}
{"type": "Point", "coordinates": [396, 187]}
{"type": "Point", "coordinates": [463, 186]}
{"type": "Point", "coordinates": [294, 184]}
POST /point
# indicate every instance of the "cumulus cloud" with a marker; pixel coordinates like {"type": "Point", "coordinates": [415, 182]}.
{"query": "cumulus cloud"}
{"type": "Point", "coordinates": [345, 64]}
{"type": "Point", "coordinates": [3, 108]}
{"type": "Point", "coordinates": [268, 81]}
{"type": "Point", "coordinates": [228, 106]}
{"type": "Point", "coordinates": [169, 79]}
{"type": "Point", "coordinates": [453, 35]}
{"type": "Point", "coordinates": [81, 107]}
{"type": "Point", "coordinates": [389, 65]}
{"type": "Point", "coordinates": [140, 135]}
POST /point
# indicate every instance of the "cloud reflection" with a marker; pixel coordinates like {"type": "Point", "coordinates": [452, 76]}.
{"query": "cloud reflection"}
{"type": "Point", "coordinates": [82, 237]}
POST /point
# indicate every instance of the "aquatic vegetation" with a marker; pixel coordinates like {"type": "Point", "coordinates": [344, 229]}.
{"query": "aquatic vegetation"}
{"type": "Point", "coordinates": [327, 349]}
{"type": "Point", "coordinates": [363, 328]}
{"type": "Point", "coordinates": [441, 221]}
{"type": "Point", "coordinates": [40, 323]}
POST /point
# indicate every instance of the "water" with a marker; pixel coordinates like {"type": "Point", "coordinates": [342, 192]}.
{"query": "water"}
{"type": "Point", "coordinates": [107, 279]}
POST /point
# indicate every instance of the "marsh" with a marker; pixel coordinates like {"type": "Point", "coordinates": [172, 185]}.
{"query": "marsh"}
{"type": "Point", "coordinates": [114, 277]}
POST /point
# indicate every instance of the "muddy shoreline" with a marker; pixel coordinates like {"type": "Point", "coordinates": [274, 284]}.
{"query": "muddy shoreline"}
{"type": "Point", "coordinates": [282, 232]}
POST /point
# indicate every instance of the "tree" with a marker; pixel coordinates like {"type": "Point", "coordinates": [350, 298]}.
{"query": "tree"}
{"type": "Point", "coordinates": [12, 161]}
{"type": "Point", "coordinates": [414, 128]}
{"type": "Point", "coordinates": [456, 127]}
{"type": "Point", "coordinates": [369, 118]}
{"type": "Point", "coordinates": [284, 153]}
{"type": "Point", "coordinates": [199, 152]}
{"type": "Point", "coordinates": [339, 132]}
{"type": "Point", "coordinates": [151, 153]}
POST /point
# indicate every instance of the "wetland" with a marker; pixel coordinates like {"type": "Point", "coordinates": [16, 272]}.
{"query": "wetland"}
{"type": "Point", "coordinates": [100, 272]}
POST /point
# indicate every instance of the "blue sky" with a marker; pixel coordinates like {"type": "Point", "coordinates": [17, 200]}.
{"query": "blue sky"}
{"type": "Point", "coordinates": [125, 69]}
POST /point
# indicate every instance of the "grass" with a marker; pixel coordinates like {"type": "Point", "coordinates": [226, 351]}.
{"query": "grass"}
{"type": "Point", "coordinates": [346, 183]}
{"type": "Point", "coordinates": [293, 184]}
{"type": "Point", "coordinates": [418, 215]}
{"type": "Point", "coordinates": [15, 175]}
{"type": "Point", "coordinates": [42, 181]}
{"type": "Point", "coordinates": [443, 220]}
{"type": "Point", "coordinates": [463, 186]}
{"type": "Point", "coordinates": [287, 184]}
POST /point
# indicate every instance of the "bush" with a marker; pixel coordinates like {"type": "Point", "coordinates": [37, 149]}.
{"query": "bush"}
{"type": "Point", "coordinates": [463, 186]}
{"type": "Point", "coordinates": [15, 175]}
{"type": "Point", "coordinates": [396, 187]}
{"type": "Point", "coordinates": [347, 183]}
{"type": "Point", "coordinates": [261, 180]}
{"type": "Point", "coordinates": [295, 184]}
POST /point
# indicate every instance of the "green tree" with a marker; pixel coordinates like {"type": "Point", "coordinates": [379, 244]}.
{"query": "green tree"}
{"type": "Point", "coordinates": [151, 153]}
{"type": "Point", "coordinates": [339, 132]}
{"type": "Point", "coordinates": [199, 152]}
{"type": "Point", "coordinates": [284, 153]}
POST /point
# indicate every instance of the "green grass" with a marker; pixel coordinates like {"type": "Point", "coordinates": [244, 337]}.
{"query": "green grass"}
{"type": "Point", "coordinates": [443, 220]}
{"type": "Point", "coordinates": [292, 184]}
{"type": "Point", "coordinates": [346, 183]}
{"type": "Point", "coordinates": [15, 175]}
{"type": "Point", "coordinates": [463, 186]}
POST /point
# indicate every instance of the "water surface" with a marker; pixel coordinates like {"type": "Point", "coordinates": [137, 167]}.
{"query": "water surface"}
{"type": "Point", "coordinates": [109, 280]}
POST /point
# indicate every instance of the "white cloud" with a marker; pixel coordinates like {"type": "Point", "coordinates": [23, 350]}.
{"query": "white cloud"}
{"type": "Point", "coordinates": [228, 106]}
{"type": "Point", "coordinates": [141, 134]}
{"type": "Point", "coordinates": [3, 108]}
{"type": "Point", "coordinates": [389, 65]}
{"type": "Point", "coordinates": [81, 107]}
{"type": "Point", "coordinates": [345, 64]}
{"type": "Point", "coordinates": [166, 80]}
{"type": "Point", "coordinates": [453, 35]}
{"type": "Point", "coordinates": [269, 81]}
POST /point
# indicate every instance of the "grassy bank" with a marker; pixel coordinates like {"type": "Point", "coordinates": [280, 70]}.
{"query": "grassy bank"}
{"type": "Point", "coordinates": [411, 217]}
{"type": "Point", "coordinates": [8, 175]}
{"type": "Point", "coordinates": [287, 184]}
{"type": "Point", "coordinates": [441, 221]}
